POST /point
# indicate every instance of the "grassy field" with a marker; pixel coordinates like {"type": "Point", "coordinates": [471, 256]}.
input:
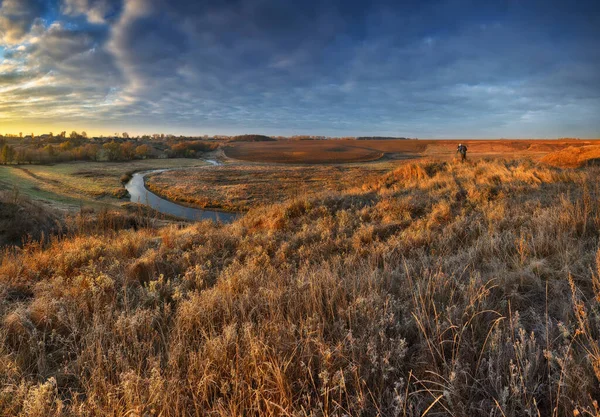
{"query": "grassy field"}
{"type": "Point", "coordinates": [435, 288]}
{"type": "Point", "coordinates": [340, 151]}
{"type": "Point", "coordinates": [11, 179]}
{"type": "Point", "coordinates": [240, 187]}
{"type": "Point", "coordinates": [76, 183]}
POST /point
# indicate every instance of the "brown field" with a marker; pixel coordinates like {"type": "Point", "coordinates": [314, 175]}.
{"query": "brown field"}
{"type": "Point", "coordinates": [239, 187]}
{"type": "Point", "coordinates": [434, 289]}
{"type": "Point", "coordinates": [306, 152]}
{"type": "Point", "coordinates": [342, 151]}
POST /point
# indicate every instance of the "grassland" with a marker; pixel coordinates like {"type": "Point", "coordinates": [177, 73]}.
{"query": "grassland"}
{"type": "Point", "coordinates": [434, 289]}
{"type": "Point", "coordinates": [573, 157]}
{"type": "Point", "coordinates": [342, 151]}
{"type": "Point", "coordinates": [240, 187]}
{"type": "Point", "coordinates": [22, 219]}
{"type": "Point", "coordinates": [76, 183]}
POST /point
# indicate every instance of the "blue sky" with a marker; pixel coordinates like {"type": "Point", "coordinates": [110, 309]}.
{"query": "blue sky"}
{"type": "Point", "coordinates": [443, 69]}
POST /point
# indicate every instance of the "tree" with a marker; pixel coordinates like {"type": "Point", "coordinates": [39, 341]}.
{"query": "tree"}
{"type": "Point", "coordinates": [113, 150]}
{"type": "Point", "coordinates": [50, 150]}
{"type": "Point", "coordinates": [84, 134]}
{"type": "Point", "coordinates": [7, 154]}
{"type": "Point", "coordinates": [125, 135]}
{"type": "Point", "coordinates": [90, 151]}
{"type": "Point", "coordinates": [128, 150]}
{"type": "Point", "coordinates": [143, 151]}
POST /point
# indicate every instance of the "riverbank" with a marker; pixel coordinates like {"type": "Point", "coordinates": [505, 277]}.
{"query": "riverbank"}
{"type": "Point", "coordinates": [139, 194]}
{"type": "Point", "coordinates": [72, 185]}
{"type": "Point", "coordinates": [239, 186]}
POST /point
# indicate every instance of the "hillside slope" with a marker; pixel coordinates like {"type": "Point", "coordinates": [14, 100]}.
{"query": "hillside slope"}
{"type": "Point", "coordinates": [22, 219]}
{"type": "Point", "coordinates": [573, 157]}
{"type": "Point", "coordinates": [442, 289]}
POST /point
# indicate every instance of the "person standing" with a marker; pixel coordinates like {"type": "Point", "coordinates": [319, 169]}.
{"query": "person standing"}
{"type": "Point", "coordinates": [462, 150]}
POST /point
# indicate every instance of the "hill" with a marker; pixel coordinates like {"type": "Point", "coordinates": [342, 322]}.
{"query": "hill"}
{"type": "Point", "coordinates": [252, 138]}
{"type": "Point", "coordinates": [436, 289]}
{"type": "Point", "coordinates": [573, 157]}
{"type": "Point", "coordinates": [22, 219]}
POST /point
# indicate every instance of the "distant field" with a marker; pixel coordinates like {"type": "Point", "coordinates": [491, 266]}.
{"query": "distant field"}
{"type": "Point", "coordinates": [304, 152]}
{"type": "Point", "coordinates": [244, 186]}
{"type": "Point", "coordinates": [313, 166]}
{"type": "Point", "coordinates": [344, 151]}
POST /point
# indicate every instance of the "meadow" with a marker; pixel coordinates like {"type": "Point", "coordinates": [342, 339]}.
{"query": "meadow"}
{"type": "Point", "coordinates": [348, 150]}
{"type": "Point", "coordinates": [433, 288]}
{"type": "Point", "coordinates": [70, 185]}
{"type": "Point", "coordinates": [240, 187]}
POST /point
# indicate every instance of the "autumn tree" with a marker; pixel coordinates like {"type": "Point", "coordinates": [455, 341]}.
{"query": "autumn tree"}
{"type": "Point", "coordinates": [143, 151]}
{"type": "Point", "coordinates": [50, 150]}
{"type": "Point", "coordinates": [113, 150]}
{"type": "Point", "coordinates": [128, 150]}
{"type": "Point", "coordinates": [90, 151]}
{"type": "Point", "coordinates": [7, 154]}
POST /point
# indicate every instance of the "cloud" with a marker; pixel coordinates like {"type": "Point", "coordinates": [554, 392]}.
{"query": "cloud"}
{"type": "Point", "coordinates": [63, 73]}
{"type": "Point", "coordinates": [96, 11]}
{"type": "Point", "coordinates": [351, 65]}
{"type": "Point", "coordinates": [17, 18]}
{"type": "Point", "coordinates": [429, 68]}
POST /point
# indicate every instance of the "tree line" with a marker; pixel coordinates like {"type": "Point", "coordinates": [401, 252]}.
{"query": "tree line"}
{"type": "Point", "coordinates": [78, 147]}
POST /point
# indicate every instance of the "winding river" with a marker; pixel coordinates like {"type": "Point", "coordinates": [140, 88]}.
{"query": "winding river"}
{"type": "Point", "coordinates": [140, 194]}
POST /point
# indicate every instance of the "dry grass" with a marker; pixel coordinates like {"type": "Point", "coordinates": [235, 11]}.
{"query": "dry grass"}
{"type": "Point", "coordinates": [573, 157]}
{"type": "Point", "coordinates": [341, 151]}
{"type": "Point", "coordinates": [22, 219]}
{"type": "Point", "coordinates": [242, 187]}
{"type": "Point", "coordinates": [437, 289]}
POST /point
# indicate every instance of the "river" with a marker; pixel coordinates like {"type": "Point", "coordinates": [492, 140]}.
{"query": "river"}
{"type": "Point", "coordinates": [140, 194]}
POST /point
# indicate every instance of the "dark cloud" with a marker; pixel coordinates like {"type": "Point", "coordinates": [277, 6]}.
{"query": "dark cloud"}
{"type": "Point", "coordinates": [420, 68]}
{"type": "Point", "coordinates": [96, 11]}
{"type": "Point", "coordinates": [17, 17]}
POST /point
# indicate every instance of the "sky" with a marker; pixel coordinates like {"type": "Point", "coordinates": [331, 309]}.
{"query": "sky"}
{"type": "Point", "coordinates": [427, 69]}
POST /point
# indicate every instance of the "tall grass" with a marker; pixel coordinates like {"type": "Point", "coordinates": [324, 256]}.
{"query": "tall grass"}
{"type": "Point", "coordinates": [440, 289]}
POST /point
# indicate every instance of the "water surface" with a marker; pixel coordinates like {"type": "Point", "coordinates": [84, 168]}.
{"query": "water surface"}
{"type": "Point", "coordinates": [140, 194]}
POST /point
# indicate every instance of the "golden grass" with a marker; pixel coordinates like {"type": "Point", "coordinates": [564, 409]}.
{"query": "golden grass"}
{"type": "Point", "coordinates": [22, 219]}
{"type": "Point", "coordinates": [343, 151]}
{"type": "Point", "coordinates": [437, 289]}
{"type": "Point", "coordinates": [573, 157]}
{"type": "Point", "coordinates": [236, 187]}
